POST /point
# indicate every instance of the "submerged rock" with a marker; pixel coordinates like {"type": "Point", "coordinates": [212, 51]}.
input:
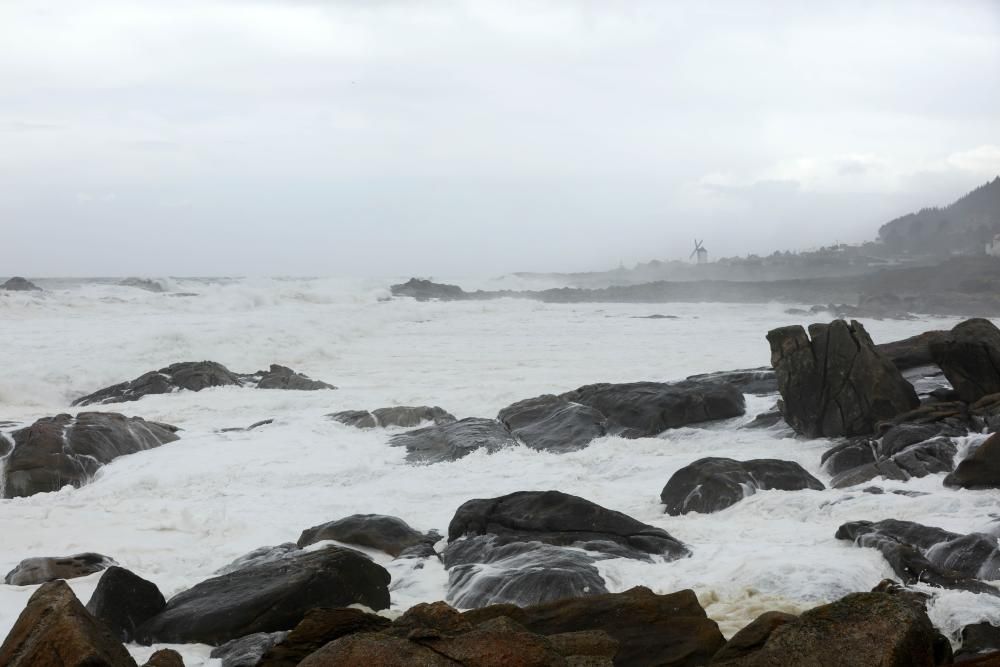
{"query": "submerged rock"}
{"type": "Point", "coordinates": [980, 469]}
{"type": "Point", "coordinates": [375, 531]}
{"type": "Point", "coordinates": [970, 358]}
{"type": "Point", "coordinates": [19, 284]}
{"type": "Point", "coordinates": [61, 450]}
{"type": "Point", "coordinates": [712, 484]}
{"type": "Point", "coordinates": [198, 375]}
{"type": "Point", "coordinates": [924, 554]}
{"type": "Point", "coordinates": [836, 384]}
{"type": "Point", "coordinates": [646, 409]}
{"type": "Point", "coordinates": [39, 570]}
{"type": "Point", "coordinates": [142, 283]}
{"type": "Point", "coordinates": [404, 416]}
{"type": "Point", "coordinates": [124, 601]}
{"type": "Point", "coordinates": [269, 597]}
{"type": "Point", "coordinates": [554, 424]}
{"type": "Point", "coordinates": [450, 442]}
{"type": "Point", "coordinates": [54, 629]}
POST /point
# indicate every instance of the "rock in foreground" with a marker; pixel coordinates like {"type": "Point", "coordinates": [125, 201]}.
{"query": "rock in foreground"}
{"type": "Point", "coordinates": [61, 450]}
{"type": "Point", "coordinates": [834, 382]}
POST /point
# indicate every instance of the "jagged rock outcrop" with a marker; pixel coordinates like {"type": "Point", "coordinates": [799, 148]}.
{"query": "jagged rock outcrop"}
{"type": "Point", "coordinates": [38, 570]}
{"type": "Point", "coordinates": [833, 382]}
{"type": "Point", "coordinates": [268, 597]}
{"type": "Point", "coordinates": [970, 358]}
{"type": "Point", "coordinates": [712, 484]}
{"type": "Point", "coordinates": [450, 442]}
{"type": "Point", "coordinates": [553, 424]}
{"type": "Point", "coordinates": [61, 450]}
{"type": "Point", "coordinates": [124, 601]}
{"type": "Point", "coordinates": [198, 375]}
{"type": "Point", "coordinates": [19, 284]}
{"type": "Point", "coordinates": [54, 629]}
{"type": "Point", "coordinates": [980, 469]}
{"type": "Point", "coordinates": [404, 416]}
{"type": "Point", "coordinates": [425, 290]}
{"type": "Point", "coordinates": [389, 534]}
{"type": "Point", "coordinates": [930, 555]}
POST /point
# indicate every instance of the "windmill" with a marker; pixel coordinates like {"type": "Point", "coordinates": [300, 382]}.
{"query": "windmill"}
{"type": "Point", "coordinates": [700, 251]}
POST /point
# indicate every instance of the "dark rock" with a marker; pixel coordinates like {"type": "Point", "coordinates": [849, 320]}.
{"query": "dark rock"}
{"type": "Point", "coordinates": [551, 423]}
{"type": "Point", "coordinates": [712, 484]}
{"type": "Point", "coordinates": [911, 352]}
{"type": "Point", "coordinates": [263, 422]}
{"type": "Point", "coordinates": [753, 637]}
{"type": "Point", "coordinates": [766, 420]}
{"type": "Point", "coordinates": [930, 555]}
{"type": "Point", "coordinates": [355, 418]}
{"type": "Point", "coordinates": [849, 455]}
{"type": "Point", "coordinates": [404, 416]}
{"type": "Point", "coordinates": [859, 629]}
{"type": "Point", "coordinates": [757, 381]}
{"type": "Point", "coordinates": [31, 571]}
{"type": "Point", "coordinates": [560, 519]}
{"type": "Point", "coordinates": [262, 556]}
{"type": "Point", "coordinates": [165, 657]}
{"type": "Point", "coordinates": [282, 377]}
{"type": "Point", "coordinates": [124, 601]}
{"type": "Point", "coordinates": [991, 659]}
{"type": "Point", "coordinates": [18, 284]}
{"type": "Point", "coordinates": [836, 384]}
{"type": "Point", "coordinates": [868, 472]}
{"type": "Point", "coordinates": [450, 442]}
{"type": "Point", "coordinates": [970, 358]}
{"type": "Point", "coordinates": [482, 573]}
{"type": "Point", "coordinates": [54, 629]}
{"type": "Point", "coordinates": [142, 283]}
{"type": "Point", "coordinates": [650, 629]}
{"type": "Point", "coordinates": [247, 651]}
{"type": "Point", "coordinates": [424, 290]}
{"type": "Point", "coordinates": [61, 450]}
{"type": "Point", "coordinates": [190, 375]}
{"type": "Point", "coordinates": [647, 409]}
{"type": "Point", "coordinates": [980, 638]}
{"type": "Point", "coordinates": [376, 531]}
{"type": "Point", "coordinates": [270, 597]}
{"type": "Point", "coordinates": [980, 469]}
{"type": "Point", "coordinates": [318, 628]}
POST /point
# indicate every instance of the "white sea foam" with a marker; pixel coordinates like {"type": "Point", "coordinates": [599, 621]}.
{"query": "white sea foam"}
{"type": "Point", "coordinates": [178, 513]}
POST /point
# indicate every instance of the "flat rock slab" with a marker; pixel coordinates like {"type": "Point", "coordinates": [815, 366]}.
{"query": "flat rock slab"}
{"type": "Point", "coordinates": [450, 442]}
{"type": "Point", "coordinates": [404, 416]}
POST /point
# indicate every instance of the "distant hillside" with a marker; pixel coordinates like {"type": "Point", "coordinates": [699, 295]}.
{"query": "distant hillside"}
{"type": "Point", "coordinates": [965, 226]}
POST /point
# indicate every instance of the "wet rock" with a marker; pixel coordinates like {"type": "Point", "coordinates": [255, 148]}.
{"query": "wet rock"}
{"type": "Point", "coordinates": [318, 628]}
{"type": "Point", "coordinates": [262, 556]}
{"type": "Point", "coordinates": [979, 638]}
{"type": "Point", "coordinates": [19, 284]}
{"type": "Point", "coordinates": [425, 290]}
{"type": "Point", "coordinates": [142, 283]}
{"type": "Point", "coordinates": [165, 657]}
{"type": "Point", "coordinates": [757, 381]}
{"type": "Point", "coordinates": [646, 409]}
{"type": "Point", "coordinates": [650, 629]}
{"type": "Point", "coordinates": [55, 629]}
{"type": "Point", "coordinates": [712, 484]}
{"type": "Point", "coordinates": [753, 637]}
{"type": "Point", "coordinates": [930, 555]}
{"type": "Point", "coordinates": [450, 442]}
{"type": "Point", "coordinates": [375, 531]}
{"type": "Point", "coordinates": [550, 423]}
{"type": "Point", "coordinates": [560, 519]}
{"type": "Point", "coordinates": [859, 629]}
{"type": "Point", "coordinates": [836, 383]}
{"type": "Point", "coordinates": [970, 358]}
{"type": "Point", "coordinates": [61, 450]}
{"type": "Point", "coordinates": [282, 377]}
{"type": "Point", "coordinates": [482, 573]}
{"type": "Point", "coordinates": [848, 455]}
{"type": "Point", "coordinates": [198, 375]}
{"type": "Point", "coordinates": [403, 416]}
{"type": "Point", "coordinates": [766, 420]}
{"type": "Point", "coordinates": [31, 571]}
{"type": "Point", "coordinates": [269, 597]}
{"type": "Point", "coordinates": [124, 601]}
{"type": "Point", "coordinates": [912, 352]}
{"type": "Point", "coordinates": [247, 651]}
{"type": "Point", "coordinates": [980, 469]}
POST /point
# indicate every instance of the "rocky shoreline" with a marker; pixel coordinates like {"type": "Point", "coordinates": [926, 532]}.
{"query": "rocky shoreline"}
{"type": "Point", "coordinates": [524, 576]}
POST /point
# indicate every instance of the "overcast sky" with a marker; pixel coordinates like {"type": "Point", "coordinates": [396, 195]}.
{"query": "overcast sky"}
{"type": "Point", "coordinates": [381, 137]}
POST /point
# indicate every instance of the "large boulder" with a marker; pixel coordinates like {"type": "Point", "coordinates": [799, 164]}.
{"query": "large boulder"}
{"type": "Point", "coordinates": [268, 597]}
{"type": "Point", "coordinates": [833, 382]}
{"type": "Point", "coordinates": [913, 352]}
{"type": "Point", "coordinates": [54, 629]}
{"type": "Point", "coordinates": [198, 375]}
{"type": "Point", "coordinates": [671, 630]}
{"type": "Point", "coordinates": [970, 358]}
{"type": "Point", "coordinates": [928, 555]}
{"type": "Point", "coordinates": [550, 423]}
{"type": "Point", "coordinates": [752, 637]}
{"type": "Point", "coordinates": [980, 469]}
{"type": "Point", "coordinates": [61, 450]}
{"type": "Point", "coordinates": [859, 629]}
{"type": "Point", "coordinates": [124, 601]}
{"type": "Point", "coordinates": [712, 484]}
{"type": "Point", "coordinates": [38, 570]}
{"type": "Point", "coordinates": [19, 284]}
{"type": "Point", "coordinates": [646, 409]}
{"type": "Point", "coordinates": [406, 416]}
{"type": "Point", "coordinates": [450, 442]}
{"type": "Point", "coordinates": [375, 531]}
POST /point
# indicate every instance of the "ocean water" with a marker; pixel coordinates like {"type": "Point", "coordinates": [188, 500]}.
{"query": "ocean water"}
{"type": "Point", "coordinates": [176, 514]}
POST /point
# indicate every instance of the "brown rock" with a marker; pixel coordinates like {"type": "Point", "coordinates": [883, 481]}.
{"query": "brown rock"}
{"type": "Point", "coordinates": [980, 469]}
{"type": "Point", "coordinates": [55, 630]}
{"type": "Point", "coordinates": [318, 628]}
{"type": "Point", "coordinates": [754, 636]}
{"type": "Point", "coordinates": [165, 657]}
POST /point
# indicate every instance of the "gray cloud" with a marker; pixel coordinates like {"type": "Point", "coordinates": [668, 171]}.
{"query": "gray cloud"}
{"type": "Point", "coordinates": [469, 137]}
